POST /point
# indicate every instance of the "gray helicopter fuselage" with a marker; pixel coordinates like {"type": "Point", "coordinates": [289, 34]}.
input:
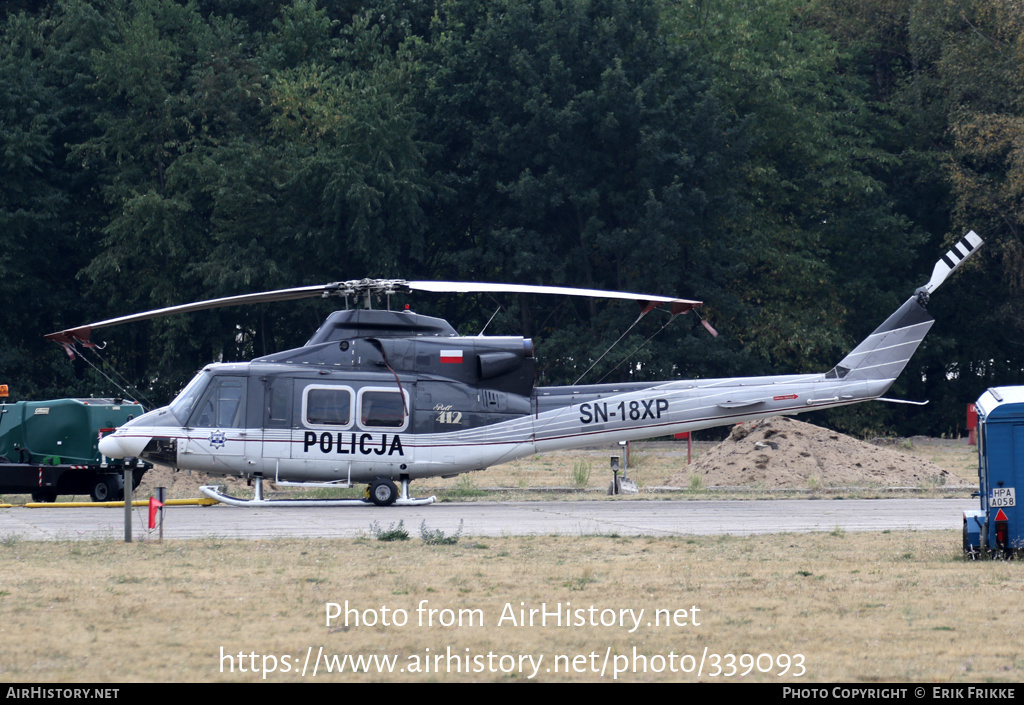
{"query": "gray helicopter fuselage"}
{"type": "Point", "coordinates": [376, 396]}
{"type": "Point", "coordinates": [302, 423]}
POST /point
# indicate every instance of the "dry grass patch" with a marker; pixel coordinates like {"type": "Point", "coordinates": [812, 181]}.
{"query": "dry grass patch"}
{"type": "Point", "coordinates": [858, 607]}
{"type": "Point", "coordinates": [955, 456]}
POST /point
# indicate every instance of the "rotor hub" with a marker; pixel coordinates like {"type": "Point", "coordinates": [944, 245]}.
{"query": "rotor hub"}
{"type": "Point", "coordinates": [354, 287]}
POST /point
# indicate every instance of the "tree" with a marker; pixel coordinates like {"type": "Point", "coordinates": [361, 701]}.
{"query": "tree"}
{"type": "Point", "coordinates": [969, 58]}
{"type": "Point", "coordinates": [579, 149]}
{"type": "Point", "coordinates": [232, 162]}
{"type": "Point", "coordinates": [828, 238]}
{"type": "Point", "coordinates": [43, 221]}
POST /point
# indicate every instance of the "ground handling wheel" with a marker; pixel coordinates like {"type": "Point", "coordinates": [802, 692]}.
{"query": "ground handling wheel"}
{"type": "Point", "coordinates": [382, 492]}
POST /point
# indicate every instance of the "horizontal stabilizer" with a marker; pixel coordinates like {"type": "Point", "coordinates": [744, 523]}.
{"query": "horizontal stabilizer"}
{"type": "Point", "coordinates": [901, 401]}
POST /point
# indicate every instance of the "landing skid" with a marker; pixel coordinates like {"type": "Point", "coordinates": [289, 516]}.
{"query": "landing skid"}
{"type": "Point", "coordinates": [212, 491]}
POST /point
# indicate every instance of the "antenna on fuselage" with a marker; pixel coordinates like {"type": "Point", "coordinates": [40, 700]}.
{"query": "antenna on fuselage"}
{"type": "Point", "coordinates": [496, 311]}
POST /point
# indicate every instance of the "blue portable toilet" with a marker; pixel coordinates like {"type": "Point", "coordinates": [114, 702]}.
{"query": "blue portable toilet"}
{"type": "Point", "coordinates": [996, 528]}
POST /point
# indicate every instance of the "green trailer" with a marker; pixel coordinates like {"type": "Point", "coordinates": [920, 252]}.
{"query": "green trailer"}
{"type": "Point", "coordinates": [50, 448]}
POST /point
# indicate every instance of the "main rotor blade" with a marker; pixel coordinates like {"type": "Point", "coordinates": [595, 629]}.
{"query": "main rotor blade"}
{"type": "Point", "coordinates": [82, 333]}
{"type": "Point", "coordinates": [359, 286]}
{"type": "Point", "coordinates": [645, 300]}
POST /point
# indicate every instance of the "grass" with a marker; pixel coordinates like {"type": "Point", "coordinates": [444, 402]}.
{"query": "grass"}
{"type": "Point", "coordinates": [581, 474]}
{"type": "Point", "coordinates": [436, 537]}
{"type": "Point", "coordinates": [392, 533]}
{"type": "Point", "coordinates": [464, 488]}
{"type": "Point", "coordinates": [892, 606]}
{"type": "Point", "coordinates": [896, 606]}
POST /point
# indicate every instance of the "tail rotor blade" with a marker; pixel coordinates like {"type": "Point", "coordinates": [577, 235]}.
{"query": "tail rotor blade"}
{"type": "Point", "coordinates": [952, 260]}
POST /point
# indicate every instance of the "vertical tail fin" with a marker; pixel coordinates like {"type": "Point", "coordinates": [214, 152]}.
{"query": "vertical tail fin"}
{"type": "Point", "coordinates": [884, 353]}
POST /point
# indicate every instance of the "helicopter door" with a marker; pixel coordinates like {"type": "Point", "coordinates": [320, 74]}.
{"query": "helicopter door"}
{"type": "Point", "coordinates": [276, 420]}
{"type": "Point", "coordinates": [216, 429]}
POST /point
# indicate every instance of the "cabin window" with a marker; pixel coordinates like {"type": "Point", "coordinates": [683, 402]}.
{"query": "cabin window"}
{"type": "Point", "coordinates": [279, 402]}
{"type": "Point", "coordinates": [223, 405]}
{"type": "Point", "coordinates": [382, 409]}
{"type": "Point", "coordinates": [328, 406]}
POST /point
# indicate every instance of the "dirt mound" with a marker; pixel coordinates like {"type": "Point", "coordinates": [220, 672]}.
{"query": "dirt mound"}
{"type": "Point", "coordinates": [780, 452]}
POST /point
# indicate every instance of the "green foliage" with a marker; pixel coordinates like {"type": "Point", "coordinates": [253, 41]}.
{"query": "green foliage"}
{"type": "Point", "coordinates": [436, 537]}
{"type": "Point", "coordinates": [695, 483]}
{"type": "Point", "coordinates": [463, 488]}
{"type": "Point", "coordinates": [581, 474]}
{"type": "Point", "coordinates": [565, 148]}
{"type": "Point", "coordinates": [580, 582]}
{"type": "Point", "coordinates": [815, 215]}
{"type": "Point", "coordinates": [41, 249]}
{"type": "Point", "coordinates": [392, 533]}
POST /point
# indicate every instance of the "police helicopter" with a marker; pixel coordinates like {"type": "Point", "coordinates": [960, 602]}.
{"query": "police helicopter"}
{"type": "Point", "coordinates": [383, 398]}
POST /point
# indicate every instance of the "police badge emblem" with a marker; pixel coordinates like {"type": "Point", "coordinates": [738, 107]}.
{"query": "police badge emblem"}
{"type": "Point", "coordinates": [217, 439]}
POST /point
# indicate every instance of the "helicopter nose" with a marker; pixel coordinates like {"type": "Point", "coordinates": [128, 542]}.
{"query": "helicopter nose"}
{"type": "Point", "coordinates": [114, 446]}
{"type": "Point", "coordinates": [110, 446]}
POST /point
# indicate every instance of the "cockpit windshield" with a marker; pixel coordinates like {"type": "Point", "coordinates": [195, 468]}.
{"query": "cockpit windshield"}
{"type": "Point", "coordinates": [183, 404]}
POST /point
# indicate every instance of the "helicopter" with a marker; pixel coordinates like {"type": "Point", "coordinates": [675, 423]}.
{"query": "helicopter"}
{"type": "Point", "coordinates": [382, 398]}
